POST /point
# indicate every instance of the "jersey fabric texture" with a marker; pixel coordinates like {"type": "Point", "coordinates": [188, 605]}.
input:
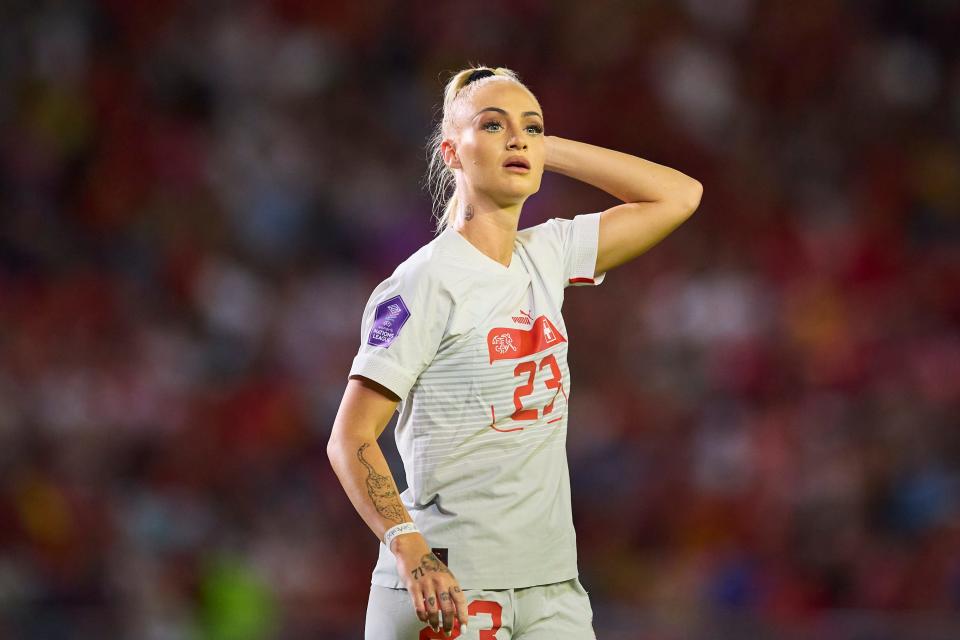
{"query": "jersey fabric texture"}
{"type": "Point", "coordinates": [477, 353]}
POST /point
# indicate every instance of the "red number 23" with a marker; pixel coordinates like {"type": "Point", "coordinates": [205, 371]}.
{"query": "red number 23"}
{"type": "Point", "coordinates": [530, 368]}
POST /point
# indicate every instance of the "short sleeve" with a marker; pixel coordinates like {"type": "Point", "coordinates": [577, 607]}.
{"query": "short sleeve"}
{"type": "Point", "coordinates": [581, 241]}
{"type": "Point", "coordinates": [403, 324]}
{"type": "Point", "coordinates": [572, 247]}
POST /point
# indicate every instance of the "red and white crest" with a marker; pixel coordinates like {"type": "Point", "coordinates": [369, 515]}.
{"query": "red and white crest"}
{"type": "Point", "coordinates": [505, 343]}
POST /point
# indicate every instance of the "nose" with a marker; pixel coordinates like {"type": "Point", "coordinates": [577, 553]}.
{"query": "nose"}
{"type": "Point", "coordinates": [516, 142]}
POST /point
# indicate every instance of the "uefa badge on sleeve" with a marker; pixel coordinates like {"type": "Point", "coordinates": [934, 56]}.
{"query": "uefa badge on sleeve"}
{"type": "Point", "coordinates": [389, 319]}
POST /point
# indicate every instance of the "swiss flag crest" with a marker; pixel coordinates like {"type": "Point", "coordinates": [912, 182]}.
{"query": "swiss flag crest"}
{"type": "Point", "coordinates": [507, 343]}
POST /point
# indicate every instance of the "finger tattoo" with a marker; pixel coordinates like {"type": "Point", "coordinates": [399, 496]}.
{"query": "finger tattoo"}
{"type": "Point", "coordinates": [432, 601]}
{"type": "Point", "coordinates": [444, 597]}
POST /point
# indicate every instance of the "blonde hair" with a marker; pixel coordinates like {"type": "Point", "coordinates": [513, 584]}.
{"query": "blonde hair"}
{"type": "Point", "coordinates": [440, 180]}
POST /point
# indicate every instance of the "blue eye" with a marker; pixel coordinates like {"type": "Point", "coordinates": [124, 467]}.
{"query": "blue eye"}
{"type": "Point", "coordinates": [537, 129]}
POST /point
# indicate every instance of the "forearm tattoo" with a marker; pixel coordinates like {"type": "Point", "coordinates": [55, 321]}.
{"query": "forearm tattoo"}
{"type": "Point", "coordinates": [429, 563]}
{"type": "Point", "coordinates": [381, 491]}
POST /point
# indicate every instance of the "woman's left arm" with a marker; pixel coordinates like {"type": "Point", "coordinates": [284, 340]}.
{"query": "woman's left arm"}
{"type": "Point", "coordinates": [657, 199]}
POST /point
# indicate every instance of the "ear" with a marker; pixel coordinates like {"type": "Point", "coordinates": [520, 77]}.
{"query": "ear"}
{"type": "Point", "coordinates": [449, 154]}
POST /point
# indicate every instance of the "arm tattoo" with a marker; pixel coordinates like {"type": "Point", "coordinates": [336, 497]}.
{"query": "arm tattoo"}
{"type": "Point", "coordinates": [468, 212]}
{"type": "Point", "coordinates": [429, 562]}
{"type": "Point", "coordinates": [381, 490]}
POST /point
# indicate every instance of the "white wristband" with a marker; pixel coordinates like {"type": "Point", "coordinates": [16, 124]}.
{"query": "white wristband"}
{"type": "Point", "coordinates": [399, 530]}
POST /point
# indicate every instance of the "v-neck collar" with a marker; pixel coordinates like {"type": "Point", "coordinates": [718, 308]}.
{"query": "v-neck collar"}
{"type": "Point", "coordinates": [482, 260]}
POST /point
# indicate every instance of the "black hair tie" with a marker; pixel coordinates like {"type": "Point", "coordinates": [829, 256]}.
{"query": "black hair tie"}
{"type": "Point", "coordinates": [476, 75]}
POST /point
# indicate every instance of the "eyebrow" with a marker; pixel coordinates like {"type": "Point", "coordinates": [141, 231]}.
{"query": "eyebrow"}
{"type": "Point", "coordinates": [499, 110]}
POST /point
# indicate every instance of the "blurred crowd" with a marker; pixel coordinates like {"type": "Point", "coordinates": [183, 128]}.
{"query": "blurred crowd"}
{"type": "Point", "coordinates": [196, 200]}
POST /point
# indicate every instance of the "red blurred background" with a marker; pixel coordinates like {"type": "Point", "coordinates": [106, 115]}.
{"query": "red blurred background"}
{"type": "Point", "coordinates": [196, 200]}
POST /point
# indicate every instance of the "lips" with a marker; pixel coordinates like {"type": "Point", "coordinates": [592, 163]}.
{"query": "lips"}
{"type": "Point", "coordinates": [517, 162]}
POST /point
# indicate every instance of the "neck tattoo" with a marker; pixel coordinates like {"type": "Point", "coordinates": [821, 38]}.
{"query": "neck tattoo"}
{"type": "Point", "coordinates": [468, 212]}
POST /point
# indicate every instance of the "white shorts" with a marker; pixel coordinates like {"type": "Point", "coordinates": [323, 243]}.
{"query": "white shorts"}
{"type": "Point", "coordinates": [559, 611]}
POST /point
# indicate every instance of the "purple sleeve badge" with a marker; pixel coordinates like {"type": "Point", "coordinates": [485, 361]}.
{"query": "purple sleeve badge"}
{"type": "Point", "coordinates": [389, 319]}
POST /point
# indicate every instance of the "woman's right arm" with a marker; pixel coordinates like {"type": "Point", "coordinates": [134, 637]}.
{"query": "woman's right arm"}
{"type": "Point", "coordinates": [357, 460]}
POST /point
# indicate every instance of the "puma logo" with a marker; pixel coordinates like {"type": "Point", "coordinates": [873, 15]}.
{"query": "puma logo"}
{"type": "Point", "coordinates": [523, 318]}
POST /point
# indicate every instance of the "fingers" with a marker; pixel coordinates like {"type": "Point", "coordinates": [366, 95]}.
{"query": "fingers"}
{"type": "Point", "coordinates": [418, 604]}
{"type": "Point", "coordinates": [438, 604]}
{"type": "Point", "coordinates": [448, 609]}
{"type": "Point", "coordinates": [433, 610]}
{"type": "Point", "coordinates": [460, 603]}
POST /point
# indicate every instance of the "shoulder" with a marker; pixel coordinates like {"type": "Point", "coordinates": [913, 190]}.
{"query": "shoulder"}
{"type": "Point", "coordinates": [548, 234]}
{"type": "Point", "coordinates": [424, 271]}
{"type": "Point", "coordinates": [422, 262]}
{"type": "Point", "coordinates": [561, 232]}
{"type": "Point", "coordinates": [547, 230]}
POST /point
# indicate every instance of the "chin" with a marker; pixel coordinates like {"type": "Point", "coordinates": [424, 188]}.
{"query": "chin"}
{"type": "Point", "coordinates": [515, 197]}
{"type": "Point", "coordinates": [522, 188]}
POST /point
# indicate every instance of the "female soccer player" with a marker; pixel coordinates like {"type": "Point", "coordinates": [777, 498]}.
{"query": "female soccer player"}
{"type": "Point", "coordinates": [467, 341]}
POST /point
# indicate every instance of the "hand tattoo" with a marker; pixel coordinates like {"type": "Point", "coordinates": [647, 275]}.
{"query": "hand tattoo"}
{"type": "Point", "coordinates": [468, 212]}
{"type": "Point", "coordinates": [429, 562]}
{"type": "Point", "coordinates": [381, 491]}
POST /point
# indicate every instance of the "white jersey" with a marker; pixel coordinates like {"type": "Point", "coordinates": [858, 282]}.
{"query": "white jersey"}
{"type": "Point", "coordinates": [477, 352]}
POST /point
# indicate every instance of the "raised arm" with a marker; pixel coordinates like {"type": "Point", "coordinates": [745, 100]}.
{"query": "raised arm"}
{"type": "Point", "coordinates": [657, 199]}
{"type": "Point", "coordinates": [358, 461]}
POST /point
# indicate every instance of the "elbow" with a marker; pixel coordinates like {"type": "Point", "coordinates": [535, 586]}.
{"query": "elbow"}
{"type": "Point", "coordinates": [692, 196]}
{"type": "Point", "coordinates": [337, 456]}
{"type": "Point", "coordinates": [333, 449]}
